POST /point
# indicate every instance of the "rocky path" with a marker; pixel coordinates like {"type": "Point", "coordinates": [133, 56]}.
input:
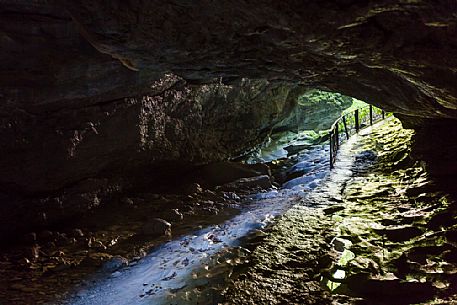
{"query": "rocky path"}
{"type": "Point", "coordinates": [377, 231]}
{"type": "Point", "coordinates": [374, 230]}
{"type": "Point", "coordinates": [196, 269]}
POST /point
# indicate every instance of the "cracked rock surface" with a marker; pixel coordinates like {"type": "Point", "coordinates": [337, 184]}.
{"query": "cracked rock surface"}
{"type": "Point", "coordinates": [105, 90]}
{"type": "Point", "coordinates": [377, 232]}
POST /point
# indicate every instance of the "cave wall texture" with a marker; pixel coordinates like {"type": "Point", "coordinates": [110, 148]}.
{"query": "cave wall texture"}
{"type": "Point", "coordinates": [93, 89]}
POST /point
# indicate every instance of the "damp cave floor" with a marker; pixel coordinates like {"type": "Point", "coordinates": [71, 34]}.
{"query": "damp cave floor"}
{"type": "Point", "coordinates": [376, 229]}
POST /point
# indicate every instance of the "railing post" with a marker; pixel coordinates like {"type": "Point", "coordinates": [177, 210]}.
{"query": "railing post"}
{"type": "Point", "coordinates": [371, 115]}
{"type": "Point", "coordinates": [335, 131]}
{"type": "Point", "coordinates": [345, 128]}
{"type": "Point", "coordinates": [356, 117]}
{"type": "Point", "coordinates": [331, 148]}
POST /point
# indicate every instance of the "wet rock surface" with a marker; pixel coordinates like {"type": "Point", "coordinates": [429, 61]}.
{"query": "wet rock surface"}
{"type": "Point", "coordinates": [315, 110]}
{"type": "Point", "coordinates": [46, 266]}
{"type": "Point", "coordinates": [376, 232]}
{"type": "Point", "coordinates": [160, 268]}
{"type": "Point", "coordinates": [97, 98]}
{"type": "Point", "coordinates": [257, 183]}
{"type": "Point", "coordinates": [72, 160]}
{"type": "Point", "coordinates": [106, 94]}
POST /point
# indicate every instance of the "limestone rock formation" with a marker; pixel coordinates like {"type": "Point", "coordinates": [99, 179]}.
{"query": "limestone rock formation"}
{"type": "Point", "coordinates": [189, 124]}
{"type": "Point", "coordinates": [106, 89]}
{"type": "Point", "coordinates": [75, 159]}
{"type": "Point", "coordinates": [394, 53]}
{"type": "Point", "coordinates": [316, 110]}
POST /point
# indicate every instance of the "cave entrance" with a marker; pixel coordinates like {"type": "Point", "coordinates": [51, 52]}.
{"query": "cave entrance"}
{"type": "Point", "coordinates": [308, 124]}
{"type": "Point", "coordinates": [301, 148]}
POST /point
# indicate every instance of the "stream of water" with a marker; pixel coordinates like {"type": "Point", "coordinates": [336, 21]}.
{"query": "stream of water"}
{"type": "Point", "coordinates": [178, 271]}
{"type": "Point", "coordinates": [357, 223]}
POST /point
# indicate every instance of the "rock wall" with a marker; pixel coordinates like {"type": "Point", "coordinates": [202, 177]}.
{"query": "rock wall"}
{"type": "Point", "coordinates": [394, 53]}
{"type": "Point", "coordinates": [59, 164]}
{"type": "Point", "coordinates": [190, 124]}
{"type": "Point", "coordinates": [95, 89]}
{"type": "Point", "coordinates": [435, 142]}
{"type": "Point", "coordinates": [398, 54]}
{"type": "Point", "coordinates": [316, 110]}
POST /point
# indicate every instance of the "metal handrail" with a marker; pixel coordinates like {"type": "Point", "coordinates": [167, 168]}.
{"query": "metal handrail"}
{"type": "Point", "coordinates": [360, 120]}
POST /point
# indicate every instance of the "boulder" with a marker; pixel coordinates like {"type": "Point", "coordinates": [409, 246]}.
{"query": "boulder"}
{"type": "Point", "coordinates": [115, 263]}
{"type": "Point", "coordinates": [45, 235]}
{"type": "Point", "coordinates": [295, 149]}
{"type": "Point", "coordinates": [220, 173]}
{"type": "Point", "coordinates": [157, 227]}
{"type": "Point", "coordinates": [77, 233]}
{"type": "Point", "coordinates": [192, 188]}
{"type": "Point", "coordinates": [258, 183]}
{"type": "Point", "coordinates": [174, 215]}
{"type": "Point", "coordinates": [96, 259]}
{"type": "Point", "coordinates": [340, 244]}
{"type": "Point", "coordinates": [127, 201]}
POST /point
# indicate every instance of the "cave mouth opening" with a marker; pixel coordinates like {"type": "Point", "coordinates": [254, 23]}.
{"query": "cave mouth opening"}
{"type": "Point", "coordinates": [291, 129]}
{"type": "Point", "coordinates": [309, 123]}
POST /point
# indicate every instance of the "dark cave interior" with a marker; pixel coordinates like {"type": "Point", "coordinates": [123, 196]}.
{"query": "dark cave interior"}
{"type": "Point", "coordinates": [106, 104]}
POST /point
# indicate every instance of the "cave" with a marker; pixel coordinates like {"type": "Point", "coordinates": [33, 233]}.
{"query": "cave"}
{"type": "Point", "coordinates": [131, 129]}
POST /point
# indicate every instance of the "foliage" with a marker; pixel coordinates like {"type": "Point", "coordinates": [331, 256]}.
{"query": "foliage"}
{"type": "Point", "coordinates": [318, 96]}
{"type": "Point", "coordinates": [355, 104]}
